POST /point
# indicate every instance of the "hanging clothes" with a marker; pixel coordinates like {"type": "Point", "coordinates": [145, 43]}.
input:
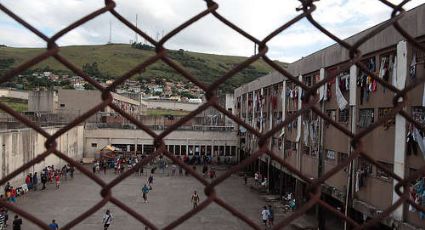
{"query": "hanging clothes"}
{"type": "Point", "coordinates": [411, 144]}
{"type": "Point", "coordinates": [305, 132]}
{"type": "Point", "coordinates": [342, 102]}
{"type": "Point", "coordinates": [412, 69]}
{"type": "Point", "coordinates": [420, 140]}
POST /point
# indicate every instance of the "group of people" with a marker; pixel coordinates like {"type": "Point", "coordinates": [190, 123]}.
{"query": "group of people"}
{"type": "Point", "coordinates": [119, 164]}
{"type": "Point", "coordinates": [260, 180]}
{"type": "Point", "coordinates": [267, 216]}
{"type": "Point", "coordinates": [4, 217]}
{"type": "Point", "coordinates": [32, 181]}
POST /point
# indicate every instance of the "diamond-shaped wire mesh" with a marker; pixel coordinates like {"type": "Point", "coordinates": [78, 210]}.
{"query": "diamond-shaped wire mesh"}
{"type": "Point", "coordinates": [309, 101]}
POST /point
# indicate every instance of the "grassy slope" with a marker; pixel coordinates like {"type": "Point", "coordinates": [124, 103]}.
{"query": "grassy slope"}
{"type": "Point", "coordinates": [15, 104]}
{"type": "Point", "coordinates": [116, 59]}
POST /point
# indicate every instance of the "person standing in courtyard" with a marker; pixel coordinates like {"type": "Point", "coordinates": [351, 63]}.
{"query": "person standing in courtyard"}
{"type": "Point", "coordinates": [245, 178]}
{"type": "Point", "coordinates": [17, 222]}
{"type": "Point", "coordinates": [44, 180]}
{"type": "Point", "coordinates": [145, 191]}
{"type": "Point", "coordinates": [265, 216]}
{"type": "Point", "coordinates": [195, 199]}
{"type": "Point", "coordinates": [271, 216]}
{"type": "Point", "coordinates": [35, 181]}
{"type": "Point", "coordinates": [53, 225]}
{"type": "Point", "coordinates": [107, 220]}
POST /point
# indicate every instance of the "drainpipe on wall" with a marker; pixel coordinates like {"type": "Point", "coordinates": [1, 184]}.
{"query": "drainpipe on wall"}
{"type": "Point", "coordinates": [349, 195]}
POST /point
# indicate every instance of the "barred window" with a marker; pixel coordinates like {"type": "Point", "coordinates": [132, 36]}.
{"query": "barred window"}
{"type": "Point", "coordinates": [308, 80]}
{"type": "Point", "coordinates": [331, 113]}
{"type": "Point", "coordinates": [330, 154]}
{"type": "Point", "coordinates": [418, 114]}
{"type": "Point", "coordinates": [366, 117]}
{"type": "Point", "coordinates": [383, 112]}
{"type": "Point", "coordinates": [343, 115]}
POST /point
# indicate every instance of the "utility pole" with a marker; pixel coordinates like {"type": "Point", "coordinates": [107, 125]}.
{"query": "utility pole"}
{"type": "Point", "coordinates": [110, 32]}
{"type": "Point", "coordinates": [135, 33]}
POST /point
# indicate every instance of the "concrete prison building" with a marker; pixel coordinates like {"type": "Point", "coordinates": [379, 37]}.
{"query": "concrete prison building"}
{"type": "Point", "coordinates": [354, 101]}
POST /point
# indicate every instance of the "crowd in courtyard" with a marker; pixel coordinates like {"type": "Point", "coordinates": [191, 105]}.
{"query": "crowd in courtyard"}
{"type": "Point", "coordinates": [39, 181]}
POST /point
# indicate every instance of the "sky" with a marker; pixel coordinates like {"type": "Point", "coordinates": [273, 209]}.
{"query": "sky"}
{"type": "Point", "coordinates": [157, 17]}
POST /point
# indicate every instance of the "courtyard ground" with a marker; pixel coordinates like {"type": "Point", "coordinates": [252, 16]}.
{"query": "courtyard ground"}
{"type": "Point", "coordinates": [169, 199]}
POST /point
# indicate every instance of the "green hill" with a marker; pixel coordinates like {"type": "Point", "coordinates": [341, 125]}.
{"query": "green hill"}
{"type": "Point", "coordinates": [115, 59]}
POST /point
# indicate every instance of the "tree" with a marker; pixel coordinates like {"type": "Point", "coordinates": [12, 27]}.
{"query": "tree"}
{"type": "Point", "coordinates": [92, 70]}
{"type": "Point", "coordinates": [88, 86]}
{"type": "Point", "coordinates": [6, 64]}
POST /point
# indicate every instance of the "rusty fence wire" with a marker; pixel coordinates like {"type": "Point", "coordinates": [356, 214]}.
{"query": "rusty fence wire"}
{"type": "Point", "coordinates": [310, 100]}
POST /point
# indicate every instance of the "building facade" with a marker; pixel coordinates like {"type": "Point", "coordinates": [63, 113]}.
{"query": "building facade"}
{"type": "Point", "coordinates": [354, 101]}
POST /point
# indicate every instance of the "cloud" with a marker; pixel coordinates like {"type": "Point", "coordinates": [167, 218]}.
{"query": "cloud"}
{"type": "Point", "coordinates": [258, 18]}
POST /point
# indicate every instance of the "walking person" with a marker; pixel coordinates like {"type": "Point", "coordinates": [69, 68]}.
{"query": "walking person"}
{"type": "Point", "coordinates": [145, 191]}
{"type": "Point", "coordinates": [71, 171]}
{"type": "Point", "coordinates": [195, 199]}
{"type": "Point", "coordinates": [107, 219]}
{"type": "Point", "coordinates": [245, 178]}
{"type": "Point", "coordinates": [150, 181]}
{"type": "Point", "coordinates": [94, 167]}
{"type": "Point", "coordinates": [65, 172]}
{"type": "Point", "coordinates": [17, 222]}
{"type": "Point", "coordinates": [58, 180]}
{"type": "Point", "coordinates": [271, 216]}
{"type": "Point", "coordinates": [35, 181]}
{"type": "Point", "coordinates": [54, 225]}
{"type": "Point", "coordinates": [265, 216]}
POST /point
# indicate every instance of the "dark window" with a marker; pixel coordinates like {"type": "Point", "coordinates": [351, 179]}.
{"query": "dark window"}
{"type": "Point", "coordinates": [308, 81]}
{"type": "Point", "coordinates": [366, 118]}
{"type": "Point", "coordinates": [233, 151]}
{"type": "Point", "coordinates": [342, 157]}
{"type": "Point", "coordinates": [384, 112]}
{"type": "Point", "coordinates": [62, 105]}
{"type": "Point", "coordinates": [306, 150]}
{"type": "Point", "coordinates": [381, 174]}
{"type": "Point", "coordinates": [94, 145]}
{"type": "Point", "coordinates": [343, 115]}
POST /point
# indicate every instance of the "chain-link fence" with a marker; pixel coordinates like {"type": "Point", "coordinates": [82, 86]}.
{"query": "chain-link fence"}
{"type": "Point", "coordinates": [310, 99]}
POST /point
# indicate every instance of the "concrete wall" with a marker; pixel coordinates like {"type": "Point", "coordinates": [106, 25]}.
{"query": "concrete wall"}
{"type": "Point", "coordinates": [81, 101]}
{"type": "Point", "coordinates": [14, 94]}
{"type": "Point", "coordinates": [17, 147]}
{"type": "Point", "coordinates": [155, 104]}
{"type": "Point", "coordinates": [103, 137]}
{"type": "Point", "coordinates": [42, 101]}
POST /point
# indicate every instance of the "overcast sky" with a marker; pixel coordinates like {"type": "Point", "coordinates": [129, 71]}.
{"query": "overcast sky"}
{"type": "Point", "coordinates": [156, 17]}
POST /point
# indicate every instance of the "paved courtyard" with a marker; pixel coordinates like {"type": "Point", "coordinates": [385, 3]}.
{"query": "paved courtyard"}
{"type": "Point", "coordinates": [169, 199]}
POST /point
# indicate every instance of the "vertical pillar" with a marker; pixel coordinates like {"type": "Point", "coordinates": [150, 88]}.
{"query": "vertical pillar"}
{"type": "Point", "coordinates": [352, 166]}
{"type": "Point", "coordinates": [400, 126]}
{"type": "Point", "coordinates": [135, 146]}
